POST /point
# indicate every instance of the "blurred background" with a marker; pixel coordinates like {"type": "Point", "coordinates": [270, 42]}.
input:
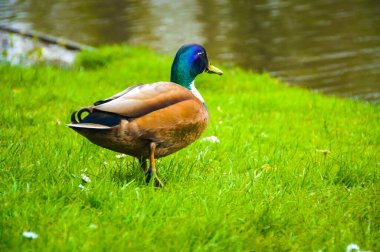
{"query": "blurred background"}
{"type": "Point", "coordinates": [325, 45]}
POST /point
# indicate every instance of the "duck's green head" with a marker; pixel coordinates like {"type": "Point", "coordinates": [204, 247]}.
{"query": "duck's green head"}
{"type": "Point", "coordinates": [190, 61]}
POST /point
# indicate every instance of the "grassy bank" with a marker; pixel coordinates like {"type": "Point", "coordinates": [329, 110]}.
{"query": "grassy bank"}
{"type": "Point", "coordinates": [293, 171]}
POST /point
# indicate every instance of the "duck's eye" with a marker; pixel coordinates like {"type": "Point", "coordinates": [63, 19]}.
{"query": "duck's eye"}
{"type": "Point", "coordinates": [201, 53]}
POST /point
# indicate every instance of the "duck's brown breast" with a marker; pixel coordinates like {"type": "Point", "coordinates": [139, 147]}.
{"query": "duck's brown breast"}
{"type": "Point", "coordinates": [172, 128]}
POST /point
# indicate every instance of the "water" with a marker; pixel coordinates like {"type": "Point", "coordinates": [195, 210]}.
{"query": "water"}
{"type": "Point", "coordinates": [329, 46]}
{"type": "Point", "coordinates": [20, 50]}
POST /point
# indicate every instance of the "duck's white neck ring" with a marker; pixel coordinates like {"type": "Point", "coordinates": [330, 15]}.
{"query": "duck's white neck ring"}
{"type": "Point", "coordinates": [195, 92]}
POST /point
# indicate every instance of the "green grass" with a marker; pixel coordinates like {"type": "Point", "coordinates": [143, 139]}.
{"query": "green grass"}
{"type": "Point", "coordinates": [294, 170]}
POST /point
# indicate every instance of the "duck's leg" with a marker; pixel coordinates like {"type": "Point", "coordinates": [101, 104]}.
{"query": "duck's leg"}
{"type": "Point", "coordinates": [152, 169]}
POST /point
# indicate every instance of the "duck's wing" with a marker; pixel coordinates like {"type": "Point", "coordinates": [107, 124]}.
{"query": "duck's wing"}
{"type": "Point", "coordinates": [117, 95]}
{"type": "Point", "coordinates": [144, 98]}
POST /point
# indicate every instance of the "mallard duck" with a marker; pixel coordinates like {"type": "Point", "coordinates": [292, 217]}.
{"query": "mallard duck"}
{"type": "Point", "coordinates": [149, 121]}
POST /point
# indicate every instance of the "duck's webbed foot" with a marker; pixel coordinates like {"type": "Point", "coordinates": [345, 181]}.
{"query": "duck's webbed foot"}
{"type": "Point", "coordinates": [152, 171]}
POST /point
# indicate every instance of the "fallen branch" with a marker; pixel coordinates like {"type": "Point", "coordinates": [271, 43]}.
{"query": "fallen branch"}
{"type": "Point", "coordinates": [68, 44]}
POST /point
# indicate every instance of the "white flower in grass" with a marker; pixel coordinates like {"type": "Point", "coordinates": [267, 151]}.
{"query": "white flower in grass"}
{"type": "Point", "coordinates": [83, 187]}
{"type": "Point", "coordinates": [264, 135]}
{"type": "Point", "coordinates": [120, 155]}
{"type": "Point", "coordinates": [352, 247]}
{"type": "Point", "coordinates": [29, 234]}
{"type": "Point", "coordinates": [212, 139]}
{"type": "Point", "coordinates": [85, 178]}
{"type": "Point", "coordinates": [92, 226]}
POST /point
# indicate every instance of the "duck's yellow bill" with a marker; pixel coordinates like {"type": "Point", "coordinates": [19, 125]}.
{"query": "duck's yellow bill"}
{"type": "Point", "coordinates": [214, 69]}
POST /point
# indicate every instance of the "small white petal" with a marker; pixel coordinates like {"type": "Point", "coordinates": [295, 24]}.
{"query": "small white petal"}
{"type": "Point", "coordinates": [352, 247]}
{"type": "Point", "coordinates": [82, 187]}
{"type": "Point", "coordinates": [93, 226]}
{"type": "Point", "coordinates": [120, 155]}
{"type": "Point", "coordinates": [212, 139]}
{"type": "Point", "coordinates": [263, 134]}
{"type": "Point", "coordinates": [29, 234]}
{"type": "Point", "coordinates": [85, 178]}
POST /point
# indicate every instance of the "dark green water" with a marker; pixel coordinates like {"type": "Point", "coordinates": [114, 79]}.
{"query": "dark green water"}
{"type": "Point", "coordinates": [329, 46]}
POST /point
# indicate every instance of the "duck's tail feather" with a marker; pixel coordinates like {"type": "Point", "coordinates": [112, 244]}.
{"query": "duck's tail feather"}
{"type": "Point", "coordinates": [87, 126]}
{"type": "Point", "coordinates": [76, 116]}
{"type": "Point", "coordinates": [94, 117]}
